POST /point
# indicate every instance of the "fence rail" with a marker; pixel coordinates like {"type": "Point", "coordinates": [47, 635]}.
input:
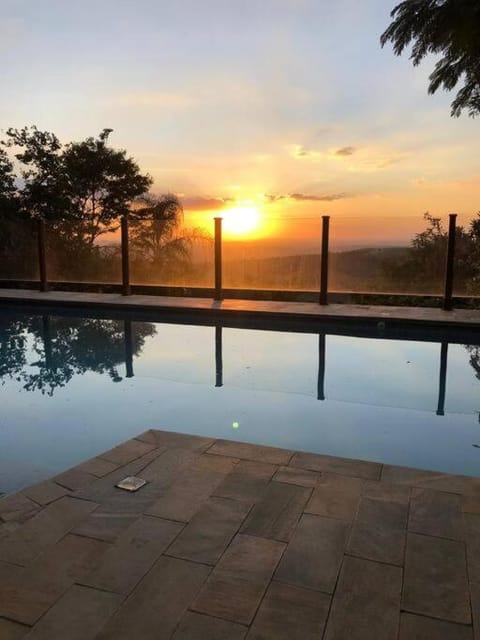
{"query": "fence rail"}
{"type": "Point", "coordinates": [217, 290]}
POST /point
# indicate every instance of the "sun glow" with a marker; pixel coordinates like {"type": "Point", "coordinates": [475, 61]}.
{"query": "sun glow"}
{"type": "Point", "coordinates": [241, 221]}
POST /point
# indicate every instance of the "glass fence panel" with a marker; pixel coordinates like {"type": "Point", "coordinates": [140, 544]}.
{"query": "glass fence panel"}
{"type": "Point", "coordinates": [466, 280]}
{"type": "Point", "coordinates": [388, 254]}
{"type": "Point", "coordinates": [283, 254]}
{"type": "Point", "coordinates": [18, 250]}
{"type": "Point", "coordinates": [171, 253]}
{"type": "Point", "coordinates": [78, 252]}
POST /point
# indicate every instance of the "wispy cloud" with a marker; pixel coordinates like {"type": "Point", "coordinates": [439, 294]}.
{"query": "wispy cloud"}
{"type": "Point", "coordinates": [307, 197]}
{"type": "Point", "coordinates": [345, 151]}
{"type": "Point", "coordinates": [200, 203]}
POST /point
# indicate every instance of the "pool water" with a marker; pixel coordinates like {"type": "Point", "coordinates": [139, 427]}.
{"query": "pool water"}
{"type": "Point", "coordinates": [72, 387]}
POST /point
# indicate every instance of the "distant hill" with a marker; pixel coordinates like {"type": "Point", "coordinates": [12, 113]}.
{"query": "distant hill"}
{"type": "Point", "coordinates": [356, 270]}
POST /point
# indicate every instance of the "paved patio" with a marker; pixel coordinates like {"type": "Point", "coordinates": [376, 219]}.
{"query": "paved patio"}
{"type": "Point", "coordinates": [238, 541]}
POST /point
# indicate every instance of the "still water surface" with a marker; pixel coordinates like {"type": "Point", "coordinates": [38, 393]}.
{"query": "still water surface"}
{"type": "Point", "coordinates": [73, 387]}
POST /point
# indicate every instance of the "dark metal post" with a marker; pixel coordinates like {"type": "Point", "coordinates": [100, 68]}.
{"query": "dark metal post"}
{"type": "Point", "coordinates": [442, 385]}
{"type": "Point", "coordinates": [324, 261]}
{"type": "Point", "coordinates": [449, 265]}
{"type": "Point", "coordinates": [321, 366]}
{"type": "Point", "coordinates": [42, 260]}
{"type": "Point", "coordinates": [218, 259]}
{"type": "Point", "coordinates": [127, 334]}
{"type": "Point", "coordinates": [218, 357]}
{"type": "Point", "coordinates": [125, 258]}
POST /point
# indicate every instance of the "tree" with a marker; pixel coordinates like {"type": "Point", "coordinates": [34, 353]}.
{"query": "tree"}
{"type": "Point", "coordinates": [158, 241]}
{"type": "Point", "coordinates": [449, 28]}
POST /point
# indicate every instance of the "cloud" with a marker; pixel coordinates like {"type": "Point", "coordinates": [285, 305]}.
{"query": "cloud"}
{"type": "Point", "coordinates": [345, 151]}
{"type": "Point", "coordinates": [307, 197]}
{"type": "Point", "coordinates": [154, 99]}
{"type": "Point", "coordinates": [200, 203]}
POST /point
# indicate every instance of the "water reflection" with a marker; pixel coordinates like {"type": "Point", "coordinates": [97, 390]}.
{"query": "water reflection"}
{"type": "Point", "coordinates": [62, 348]}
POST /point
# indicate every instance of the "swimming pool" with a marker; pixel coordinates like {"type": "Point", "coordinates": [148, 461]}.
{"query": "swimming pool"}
{"type": "Point", "coordinates": [71, 387]}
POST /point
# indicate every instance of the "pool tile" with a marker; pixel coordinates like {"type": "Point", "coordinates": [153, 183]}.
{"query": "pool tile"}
{"type": "Point", "coordinates": [127, 451]}
{"type": "Point", "coordinates": [314, 554]}
{"type": "Point", "coordinates": [435, 581]}
{"type": "Point", "coordinates": [171, 439]}
{"type": "Point", "coordinates": [389, 491]}
{"type": "Point", "coordinates": [301, 477]}
{"type": "Point", "coordinates": [366, 603]}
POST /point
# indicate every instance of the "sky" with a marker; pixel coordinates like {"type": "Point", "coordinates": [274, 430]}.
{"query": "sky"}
{"type": "Point", "coordinates": [287, 106]}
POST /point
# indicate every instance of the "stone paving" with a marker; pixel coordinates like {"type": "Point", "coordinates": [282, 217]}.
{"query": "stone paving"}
{"type": "Point", "coordinates": [234, 541]}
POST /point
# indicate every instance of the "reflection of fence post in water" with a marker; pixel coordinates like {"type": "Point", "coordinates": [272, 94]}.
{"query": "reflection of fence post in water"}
{"type": "Point", "coordinates": [128, 337]}
{"type": "Point", "coordinates": [218, 259]}
{"type": "Point", "coordinates": [449, 263]}
{"type": "Point", "coordinates": [324, 261]}
{"type": "Point", "coordinates": [442, 385]}
{"type": "Point", "coordinates": [321, 366]}
{"type": "Point", "coordinates": [47, 342]}
{"type": "Point", "coordinates": [42, 259]}
{"type": "Point", "coordinates": [218, 357]}
{"type": "Point", "coordinates": [125, 257]}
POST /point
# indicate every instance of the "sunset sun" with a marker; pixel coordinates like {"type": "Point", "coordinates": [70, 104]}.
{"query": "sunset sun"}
{"type": "Point", "coordinates": [241, 221]}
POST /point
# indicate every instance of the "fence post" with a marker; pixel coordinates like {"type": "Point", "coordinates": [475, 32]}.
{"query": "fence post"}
{"type": "Point", "coordinates": [218, 259]}
{"type": "Point", "coordinates": [126, 290]}
{"type": "Point", "coordinates": [324, 261]}
{"type": "Point", "coordinates": [218, 356]}
{"type": "Point", "coordinates": [42, 260]}
{"type": "Point", "coordinates": [449, 264]}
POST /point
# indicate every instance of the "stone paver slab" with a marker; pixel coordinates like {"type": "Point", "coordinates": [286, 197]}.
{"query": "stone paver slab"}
{"type": "Point", "coordinates": [413, 627]}
{"type": "Point", "coordinates": [472, 526]}
{"type": "Point", "coordinates": [133, 554]}
{"type": "Point", "coordinates": [17, 508]}
{"type": "Point", "coordinates": [290, 613]}
{"type": "Point", "coordinates": [171, 439]}
{"type": "Point", "coordinates": [97, 467]}
{"type": "Point", "coordinates": [78, 615]}
{"type": "Point", "coordinates": [421, 478]}
{"type": "Point", "coordinates": [379, 531]}
{"type": "Point", "coordinates": [26, 596]}
{"type": "Point", "coordinates": [44, 529]}
{"type": "Point", "coordinates": [386, 491]}
{"type": "Point", "coordinates": [127, 451]}
{"type": "Point", "coordinates": [238, 582]}
{"type": "Point", "coordinates": [253, 452]}
{"type": "Point", "coordinates": [435, 581]}
{"type": "Point", "coordinates": [74, 479]}
{"type": "Point", "coordinates": [341, 466]}
{"type": "Point", "coordinates": [247, 481]}
{"type": "Point", "coordinates": [105, 524]}
{"type": "Point", "coordinates": [192, 487]}
{"type": "Point", "coordinates": [436, 513]}
{"type": "Point", "coordinates": [366, 603]}
{"type": "Point", "coordinates": [301, 477]}
{"type": "Point", "coordinates": [335, 497]}
{"type": "Point", "coordinates": [475, 600]}
{"type": "Point", "coordinates": [278, 512]}
{"type": "Point", "coordinates": [45, 492]}
{"type": "Point", "coordinates": [155, 607]}
{"type": "Point", "coordinates": [12, 630]}
{"type": "Point", "coordinates": [210, 531]}
{"type": "Point", "coordinates": [314, 554]}
{"type": "Point", "coordinates": [197, 626]}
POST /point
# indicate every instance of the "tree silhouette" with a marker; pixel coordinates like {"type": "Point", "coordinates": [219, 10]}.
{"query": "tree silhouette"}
{"type": "Point", "coordinates": [64, 348]}
{"type": "Point", "coordinates": [450, 28]}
